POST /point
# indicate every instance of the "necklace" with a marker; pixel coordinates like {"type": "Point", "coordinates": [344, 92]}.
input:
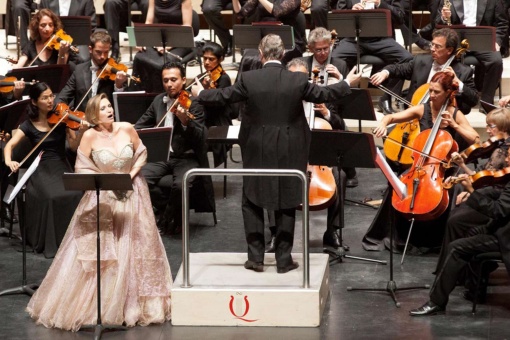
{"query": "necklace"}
{"type": "Point", "coordinates": [107, 135]}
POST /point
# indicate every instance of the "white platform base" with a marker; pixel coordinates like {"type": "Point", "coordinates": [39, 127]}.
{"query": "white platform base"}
{"type": "Point", "coordinates": [224, 293]}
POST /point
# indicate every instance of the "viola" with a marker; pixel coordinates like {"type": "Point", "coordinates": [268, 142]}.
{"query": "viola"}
{"type": "Point", "coordinates": [111, 68]}
{"type": "Point", "coordinates": [426, 197]}
{"type": "Point", "coordinates": [478, 150]}
{"type": "Point", "coordinates": [7, 84]}
{"type": "Point", "coordinates": [62, 114]}
{"type": "Point", "coordinates": [60, 36]}
{"type": "Point", "coordinates": [483, 178]}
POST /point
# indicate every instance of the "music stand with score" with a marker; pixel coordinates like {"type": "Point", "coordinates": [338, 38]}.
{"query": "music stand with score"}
{"type": "Point", "coordinates": [342, 149]}
{"type": "Point", "coordinates": [361, 24]}
{"type": "Point", "coordinates": [98, 182]}
{"type": "Point", "coordinates": [157, 141]}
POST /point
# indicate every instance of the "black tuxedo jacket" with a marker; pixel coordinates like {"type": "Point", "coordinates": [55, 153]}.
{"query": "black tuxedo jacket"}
{"type": "Point", "coordinates": [340, 64]}
{"type": "Point", "coordinates": [274, 132]}
{"type": "Point", "coordinates": [77, 8]}
{"type": "Point", "coordinates": [488, 13]}
{"type": "Point", "coordinates": [417, 71]}
{"type": "Point", "coordinates": [78, 85]}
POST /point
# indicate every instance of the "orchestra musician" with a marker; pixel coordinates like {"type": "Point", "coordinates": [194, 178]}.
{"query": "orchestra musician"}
{"type": "Point", "coordinates": [21, 9]}
{"type": "Point", "coordinates": [481, 13]}
{"type": "Point", "coordinates": [188, 149]}
{"type": "Point", "coordinates": [422, 67]}
{"type": "Point", "coordinates": [85, 75]}
{"type": "Point", "coordinates": [274, 134]}
{"type": "Point", "coordinates": [43, 25]}
{"type": "Point", "coordinates": [385, 48]}
{"type": "Point", "coordinates": [49, 206]}
{"type": "Point", "coordinates": [491, 236]}
{"type": "Point", "coordinates": [135, 275]}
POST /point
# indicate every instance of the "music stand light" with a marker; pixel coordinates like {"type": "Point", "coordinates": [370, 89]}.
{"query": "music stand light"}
{"type": "Point", "coordinates": [98, 182]}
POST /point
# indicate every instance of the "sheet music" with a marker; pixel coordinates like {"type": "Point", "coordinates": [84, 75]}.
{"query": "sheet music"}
{"type": "Point", "coordinates": [233, 131]}
{"type": "Point", "coordinates": [25, 178]}
{"type": "Point", "coordinates": [396, 184]}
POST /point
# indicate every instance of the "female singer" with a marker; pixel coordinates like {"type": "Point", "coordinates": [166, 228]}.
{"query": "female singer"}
{"type": "Point", "coordinates": [42, 27]}
{"type": "Point", "coordinates": [149, 61]}
{"type": "Point", "coordinates": [427, 234]}
{"type": "Point", "coordinates": [135, 278]}
{"type": "Point", "coordinates": [49, 206]}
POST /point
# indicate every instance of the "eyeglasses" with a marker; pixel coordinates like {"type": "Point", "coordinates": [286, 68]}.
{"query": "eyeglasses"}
{"type": "Point", "coordinates": [436, 46]}
{"type": "Point", "coordinates": [45, 98]}
{"type": "Point", "coordinates": [491, 126]}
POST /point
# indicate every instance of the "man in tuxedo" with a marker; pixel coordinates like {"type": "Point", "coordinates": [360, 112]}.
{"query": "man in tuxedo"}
{"type": "Point", "coordinates": [486, 13]}
{"type": "Point", "coordinates": [422, 67]}
{"type": "Point", "coordinates": [494, 236]}
{"type": "Point", "coordinates": [84, 76]}
{"type": "Point", "coordinates": [274, 134]}
{"type": "Point", "coordinates": [385, 48]}
{"type": "Point", "coordinates": [116, 16]}
{"type": "Point", "coordinates": [188, 149]}
{"type": "Point", "coordinates": [72, 8]}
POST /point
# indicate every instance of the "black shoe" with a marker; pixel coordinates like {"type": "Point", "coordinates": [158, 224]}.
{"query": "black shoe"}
{"type": "Point", "coordinates": [430, 308]}
{"type": "Point", "coordinates": [7, 216]}
{"type": "Point", "coordinates": [352, 182]}
{"type": "Point", "coordinates": [271, 245]}
{"type": "Point", "coordinates": [255, 266]}
{"type": "Point", "coordinates": [227, 51]}
{"type": "Point", "coordinates": [283, 270]}
{"type": "Point", "coordinates": [385, 106]}
{"type": "Point", "coordinates": [423, 44]}
{"type": "Point", "coordinates": [331, 238]}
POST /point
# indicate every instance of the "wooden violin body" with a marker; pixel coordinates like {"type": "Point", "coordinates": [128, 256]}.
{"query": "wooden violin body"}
{"type": "Point", "coordinates": [72, 120]}
{"type": "Point", "coordinates": [478, 150]}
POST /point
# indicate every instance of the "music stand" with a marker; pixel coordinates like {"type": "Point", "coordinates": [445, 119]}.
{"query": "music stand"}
{"type": "Point", "coordinates": [358, 105]}
{"type": "Point", "coordinates": [342, 149]}
{"type": "Point", "coordinates": [55, 76]}
{"type": "Point", "coordinates": [163, 35]}
{"type": "Point", "coordinates": [11, 115]}
{"type": "Point", "coordinates": [129, 106]}
{"type": "Point", "coordinates": [361, 24]}
{"type": "Point", "coordinates": [157, 142]}
{"type": "Point", "coordinates": [78, 27]}
{"type": "Point", "coordinates": [480, 38]}
{"type": "Point", "coordinates": [249, 36]}
{"type": "Point", "coordinates": [98, 182]}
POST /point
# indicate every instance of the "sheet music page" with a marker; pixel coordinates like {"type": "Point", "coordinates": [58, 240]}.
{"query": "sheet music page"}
{"type": "Point", "coordinates": [396, 184]}
{"type": "Point", "coordinates": [25, 178]}
{"type": "Point", "coordinates": [233, 131]}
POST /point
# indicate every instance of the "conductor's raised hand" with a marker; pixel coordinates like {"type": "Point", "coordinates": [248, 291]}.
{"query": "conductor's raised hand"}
{"type": "Point", "coordinates": [354, 77]}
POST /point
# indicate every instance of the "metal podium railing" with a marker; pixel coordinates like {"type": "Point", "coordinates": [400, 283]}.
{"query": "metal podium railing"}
{"type": "Point", "coordinates": [242, 172]}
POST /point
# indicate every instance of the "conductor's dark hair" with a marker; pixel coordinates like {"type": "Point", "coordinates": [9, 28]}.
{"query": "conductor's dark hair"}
{"type": "Point", "coordinates": [214, 48]}
{"type": "Point", "coordinates": [174, 64]}
{"type": "Point", "coordinates": [34, 93]}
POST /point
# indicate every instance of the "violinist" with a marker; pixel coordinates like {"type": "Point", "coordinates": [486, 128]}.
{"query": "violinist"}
{"type": "Point", "coordinates": [188, 149]}
{"type": "Point", "coordinates": [84, 82]}
{"type": "Point", "coordinates": [43, 25]}
{"type": "Point", "coordinates": [49, 206]}
{"type": "Point", "coordinates": [422, 67]}
{"type": "Point", "coordinates": [12, 95]}
{"type": "Point", "coordinates": [490, 235]}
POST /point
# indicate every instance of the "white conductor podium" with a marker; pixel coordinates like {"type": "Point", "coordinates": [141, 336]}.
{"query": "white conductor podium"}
{"type": "Point", "coordinates": [224, 293]}
{"type": "Point", "coordinates": [214, 289]}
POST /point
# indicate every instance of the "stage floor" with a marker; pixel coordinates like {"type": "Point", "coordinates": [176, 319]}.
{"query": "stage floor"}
{"type": "Point", "coordinates": [347, 315]}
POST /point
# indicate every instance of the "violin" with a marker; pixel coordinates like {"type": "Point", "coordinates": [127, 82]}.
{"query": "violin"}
{"type": "Point", "coordinates": [111, 68]}
{"type": "Point", "coordinates": [62, 114]}
{"type": "Point", "coordinates": [60, 36]}
{"type": "Point", "coordinates": [211, 81]}
{"type": "Point", "coordinates": [10, 60]}
{"type": "Point", "coordinates": [482, 178]}
{"type": "Point", "coordinates": [7, 84]}
{"type": "Point", "coordinates": [478, 150]}
{"type": "Point", "coordinates": [184, 101]}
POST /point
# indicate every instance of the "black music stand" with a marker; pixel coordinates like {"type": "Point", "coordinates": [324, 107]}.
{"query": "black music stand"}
{"type": "Point", "coordinates": [129, 106]}
{"type": "Point", "coordinates": [342, 149]}
{"type": "Point", "coordinates": [249, 36]}
{"type": "Point", "coordinates": [78, 27]}
{"type": "Point", "coordinates": [163, 35]}
{"type": "Point", "coordinates": [11, 115]}
{"type": "Point", "coordinates": [98, 182]}
{"type": "Point", "coordinates": [55, 76]}
{"type": "Point", "coordinates": [480, 38]}
{"type": "Point", "coordinates": [358, 105]}
{"type": "Point", "coordinates": [157, 142]}
{"type": "Point", "coordinates": [361, 24]}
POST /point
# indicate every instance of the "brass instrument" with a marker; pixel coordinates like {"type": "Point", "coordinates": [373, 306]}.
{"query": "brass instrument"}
{"type": "Point", "coordinates": [448, 5]}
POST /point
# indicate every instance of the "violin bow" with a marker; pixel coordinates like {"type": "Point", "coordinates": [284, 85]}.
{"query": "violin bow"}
{"type": "Point", "coordinates": [90, 88]}
{"type": "Point", "coordinates": [42, 50]}
{"type": "Point", "coordinates": [167, 112]}
{"type": "Point", "coordinates": [446, 164]}
{"type": "Point", "coordinates": [42, 140]}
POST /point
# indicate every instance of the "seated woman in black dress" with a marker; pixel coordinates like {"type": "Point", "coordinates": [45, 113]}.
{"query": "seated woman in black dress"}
{"type": "Point", "coordinates": [149, 61]}
{"type": "Point", "coordinates": [49, 206]}
{"type": "Point", "coordinates": [43, 26]}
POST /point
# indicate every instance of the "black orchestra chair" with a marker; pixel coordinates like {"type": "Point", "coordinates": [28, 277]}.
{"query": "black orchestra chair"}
{"type": "Point", "coordinates": [483, 259]}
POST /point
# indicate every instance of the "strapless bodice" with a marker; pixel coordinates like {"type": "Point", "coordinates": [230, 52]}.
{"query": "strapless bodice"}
{"type": "Point", "coordinates": [107, 161]}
